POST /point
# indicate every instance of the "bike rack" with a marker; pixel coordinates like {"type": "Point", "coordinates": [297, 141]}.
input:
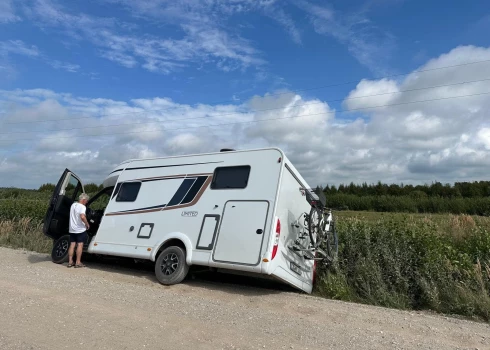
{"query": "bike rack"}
{"type": "Point", "coordinates": [302, 245]}
{"type": "Point", "coordinates": [298, 247]}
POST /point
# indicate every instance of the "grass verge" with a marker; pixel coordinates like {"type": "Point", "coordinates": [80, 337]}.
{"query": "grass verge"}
{"type": "Point", "coordinates": [409, 262]}
{"type": "Point", "coordinates": [24, 233]}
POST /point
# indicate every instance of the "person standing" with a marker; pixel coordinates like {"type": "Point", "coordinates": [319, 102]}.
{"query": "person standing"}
{"type": "Point", "coordinates": [78, 229]}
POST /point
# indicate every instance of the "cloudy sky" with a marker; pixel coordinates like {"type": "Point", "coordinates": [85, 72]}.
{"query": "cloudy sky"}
{"type": "Point", "coordinates": [352, 91]}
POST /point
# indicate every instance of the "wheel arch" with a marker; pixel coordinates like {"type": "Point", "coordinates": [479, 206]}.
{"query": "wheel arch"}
{"type": "Point", "coordinates": [174, 239]}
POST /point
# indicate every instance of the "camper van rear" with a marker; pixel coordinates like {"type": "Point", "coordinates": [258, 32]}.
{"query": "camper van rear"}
{"type": "Point", "coordinates": [233, 210]}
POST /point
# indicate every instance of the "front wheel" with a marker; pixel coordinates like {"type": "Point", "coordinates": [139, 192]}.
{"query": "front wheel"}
{"type": "Point", "coordinates": [59, 253]}
{"type": "Point", "coordinates": [171, 266]}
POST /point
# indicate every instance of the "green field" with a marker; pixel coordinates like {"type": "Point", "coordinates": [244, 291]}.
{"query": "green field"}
{"type": "Point", "coordinates": [437, 262]}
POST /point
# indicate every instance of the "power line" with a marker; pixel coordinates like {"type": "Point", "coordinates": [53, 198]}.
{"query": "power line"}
{"type": "Point", "coordinates": [255, 121]}
{"type": "Point", "coordinates": [276, 94]}
{"type": "Point", "coordinates": [255, 111]}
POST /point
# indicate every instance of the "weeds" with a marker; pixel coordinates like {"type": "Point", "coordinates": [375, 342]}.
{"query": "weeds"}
{"type": "Point", "coordinates": [24, 233]}
{"type": "Point", "coordinates": [407, 263]}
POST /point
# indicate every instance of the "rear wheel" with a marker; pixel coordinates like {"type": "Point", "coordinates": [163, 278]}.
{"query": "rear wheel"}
{"type": "Point", "coordinates": [59, 253]}
{"type": "Point", "coordinates": [171, 266]}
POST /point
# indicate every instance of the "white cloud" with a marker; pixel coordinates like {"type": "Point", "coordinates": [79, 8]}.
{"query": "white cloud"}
{"type": "Point", "coordinates": [7, 12]}
{"type": "Point", "coordinates": [69, 67]}
{"type": "Point", "coordinates": [370, 45]}
{"type": "Point", "coordinates": [445, 140]}
{"type": "Point", "coordinates": [203, 39]}
{"type": "Point", "coordinates": [17, 47]}
{"type": "Point", "coordinates": [484, 137]}
{"type": "Point", "coordinates": [379, 92]}
{"type": "Point", "coordinates": [121, 58]}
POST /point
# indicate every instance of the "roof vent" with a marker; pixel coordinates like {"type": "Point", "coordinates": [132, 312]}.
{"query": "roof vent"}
{"type": "Point", "coordinates": [226, 150]}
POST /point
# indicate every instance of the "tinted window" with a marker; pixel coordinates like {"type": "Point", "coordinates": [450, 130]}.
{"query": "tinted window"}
{"type": "Point", "coordinates": [73, 189]}
{"type": "Point", "coordinates": [128, 192]}
{"type": "Point", "coordinates": [230, 177]}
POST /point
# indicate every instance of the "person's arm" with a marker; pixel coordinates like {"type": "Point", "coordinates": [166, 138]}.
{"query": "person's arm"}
{"type": "Point", "coordinates": [84, 219]}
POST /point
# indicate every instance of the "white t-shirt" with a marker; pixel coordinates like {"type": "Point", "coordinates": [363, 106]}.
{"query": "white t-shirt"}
{"type": "Point", "coordinates": [76, 223]}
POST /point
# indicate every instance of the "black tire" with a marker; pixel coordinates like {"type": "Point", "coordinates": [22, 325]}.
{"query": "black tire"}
{"type": "Point", "coordinates": [170, 266]}
{"type": "Point", "coordinates": [59, 253]}
{"type": "Point", "coordinates": [314, 226]}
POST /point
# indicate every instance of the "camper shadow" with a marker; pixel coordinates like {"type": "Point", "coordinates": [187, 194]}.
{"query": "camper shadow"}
{"type": "Point", "coordinates": [198, 276]}
{"type": "Point", "coordinates": [236, 284]}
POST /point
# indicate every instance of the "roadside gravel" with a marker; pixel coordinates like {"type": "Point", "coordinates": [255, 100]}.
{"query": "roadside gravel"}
{"type": "Point", "coordinates": [105, 306]}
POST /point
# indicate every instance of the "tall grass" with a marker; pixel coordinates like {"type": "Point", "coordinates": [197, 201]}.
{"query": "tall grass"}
{"type": "Point", "coordinates": [20, 208]}
{"type": "Point", "coordinates": [411, 263]}
{"type": "Point", "coordinates": [24, 233]}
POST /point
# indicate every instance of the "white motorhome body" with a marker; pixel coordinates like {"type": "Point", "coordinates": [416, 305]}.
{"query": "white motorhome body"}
{"type": "Point", "coordinates": [233, 210]}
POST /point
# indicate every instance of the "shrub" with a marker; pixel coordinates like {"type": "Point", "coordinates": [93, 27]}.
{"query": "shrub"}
{"type": "Point", "coordinates": [47, 188]}
{"type": "Point", "coordinates": [408, 264]}
{"type": "Point", "coordinates": [11, 209]}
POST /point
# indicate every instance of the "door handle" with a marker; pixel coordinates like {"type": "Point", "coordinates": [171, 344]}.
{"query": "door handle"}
{"type": "Point", "coordinates": [259, 231]}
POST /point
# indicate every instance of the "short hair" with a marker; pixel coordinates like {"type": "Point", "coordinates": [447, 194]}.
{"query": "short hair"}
{"type": "Point", "coordinates": [84, 196]}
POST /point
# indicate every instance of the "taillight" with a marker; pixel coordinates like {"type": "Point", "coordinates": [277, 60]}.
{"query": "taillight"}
{"type": "Point", "coordinates": [276, 239]}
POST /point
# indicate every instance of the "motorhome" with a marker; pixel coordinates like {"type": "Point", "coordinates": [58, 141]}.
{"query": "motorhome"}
{"type": "Point", "coordinates": [232, 210]}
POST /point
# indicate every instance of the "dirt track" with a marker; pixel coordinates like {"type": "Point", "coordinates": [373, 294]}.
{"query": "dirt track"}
{"type": "Point", "coordinates": [106, 306]}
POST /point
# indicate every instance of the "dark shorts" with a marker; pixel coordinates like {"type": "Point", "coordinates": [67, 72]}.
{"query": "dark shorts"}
{"type": "Point", "coordinates": [78, 237]}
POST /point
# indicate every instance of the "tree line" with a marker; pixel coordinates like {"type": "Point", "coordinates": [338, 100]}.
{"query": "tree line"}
{"type": "Point", "coordinates": [459, 198]}
{"type": "Point", "coordinates": [89, 188]}
{"type": "Point", "coordinates": [436, 189]}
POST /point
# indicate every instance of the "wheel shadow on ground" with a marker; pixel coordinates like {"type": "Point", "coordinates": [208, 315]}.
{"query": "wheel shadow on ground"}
{"type": "Point", "coordinates": [37, 258]}
{"type": "Point", "coordinates": [198, 277]}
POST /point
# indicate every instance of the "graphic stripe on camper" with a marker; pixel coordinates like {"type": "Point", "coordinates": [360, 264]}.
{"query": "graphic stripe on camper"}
{"type": "Point", "coordinates": [189, 192]}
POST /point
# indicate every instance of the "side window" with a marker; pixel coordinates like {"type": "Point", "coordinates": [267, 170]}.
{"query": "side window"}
{"type": "Point", "coordinates": [128, 192]}
{"type": "Point", "coordinates": [73, 188]}
{"type": "Point", "coordinates": [231, 177]}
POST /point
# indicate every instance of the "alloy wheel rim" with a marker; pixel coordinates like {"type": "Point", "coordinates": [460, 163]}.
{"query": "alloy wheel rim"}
{"type": "Point", "coordinates": [170, 263]}
{"type": "Point", "coordinates": [61, 248]}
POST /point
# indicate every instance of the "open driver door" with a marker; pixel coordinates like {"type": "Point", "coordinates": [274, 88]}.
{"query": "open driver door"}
{"type": "Point", "coordinates": [57, 219]}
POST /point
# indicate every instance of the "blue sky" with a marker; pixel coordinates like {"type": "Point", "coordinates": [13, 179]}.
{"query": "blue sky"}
{"type": "Point", "coordinates": [397, 35]}
{"type": "Point", "coordinates": [87, 59]}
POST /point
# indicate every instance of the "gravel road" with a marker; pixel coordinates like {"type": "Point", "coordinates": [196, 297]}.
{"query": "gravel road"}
{"type": "Point", "coordinates": [112, 306]}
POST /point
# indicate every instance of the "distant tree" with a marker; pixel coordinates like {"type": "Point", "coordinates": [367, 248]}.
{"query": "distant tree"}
{"type": "Point", "coordinates": [91, 188]}
{"type": "Point", "coordinates": [341, 189]}
{"type": "Point", "coordinates": [47, 188]}
{"type": "Point", "coordinates": [394, 190]}
{"type": "Point", "coordinates": [418, 194]}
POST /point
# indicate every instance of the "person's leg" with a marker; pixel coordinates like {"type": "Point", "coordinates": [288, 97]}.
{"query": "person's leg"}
{"type": "Point", "coordinates": [80, 240]}
{"type": "Point", "coordinates": [79, 253]}
{"type": "Point", "coordinates": [71, 249]}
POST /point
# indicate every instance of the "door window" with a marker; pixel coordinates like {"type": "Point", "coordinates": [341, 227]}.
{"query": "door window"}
{"type": "Point", "coordinates": [73, 189]}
